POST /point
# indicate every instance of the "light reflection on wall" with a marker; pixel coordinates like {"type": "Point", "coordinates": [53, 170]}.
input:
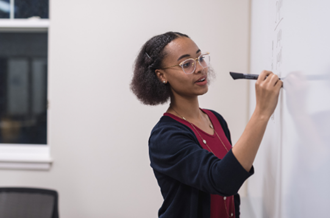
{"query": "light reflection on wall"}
{"type": "Point", "coordinates": [307, 153]}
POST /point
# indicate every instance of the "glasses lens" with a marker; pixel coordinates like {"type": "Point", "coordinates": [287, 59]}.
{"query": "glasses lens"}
{"type": "Point", "coordinates": [188, 66]}
{"type": "Point", "coordinates": [204, 60]}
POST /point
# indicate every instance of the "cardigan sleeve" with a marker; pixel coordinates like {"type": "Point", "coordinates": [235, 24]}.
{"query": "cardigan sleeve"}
{"type": "Point", "coordinates": [174, 151]}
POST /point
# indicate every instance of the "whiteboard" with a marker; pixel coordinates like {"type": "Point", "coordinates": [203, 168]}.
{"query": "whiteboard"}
{"type": "Point", "coordinates": [292, 167]}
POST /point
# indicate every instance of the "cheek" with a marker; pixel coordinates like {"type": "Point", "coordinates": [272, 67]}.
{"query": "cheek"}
{"type": "Point", "coordinates": [180, 81]}
{"type": "Point", "coordinates": [180, 85]}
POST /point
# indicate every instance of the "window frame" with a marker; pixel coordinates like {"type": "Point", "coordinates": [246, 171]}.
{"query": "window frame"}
{"type": "Point", "coordinates": [26, 156]}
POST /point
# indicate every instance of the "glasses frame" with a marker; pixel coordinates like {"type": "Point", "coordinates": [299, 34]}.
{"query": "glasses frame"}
{"type": "Point", "coordinates": [194, 59]}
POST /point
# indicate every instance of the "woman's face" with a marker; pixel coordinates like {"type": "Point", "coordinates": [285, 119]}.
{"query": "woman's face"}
{"type": "Point", "coordinates": [185, 85]}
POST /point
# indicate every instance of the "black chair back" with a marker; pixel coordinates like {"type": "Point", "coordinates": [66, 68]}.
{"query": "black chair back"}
{"type": "Point", "coordinates": [28, 203]}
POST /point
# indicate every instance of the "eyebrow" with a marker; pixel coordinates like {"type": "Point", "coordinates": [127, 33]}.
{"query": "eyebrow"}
{"type": "Point", "coordinates": [187, 55]}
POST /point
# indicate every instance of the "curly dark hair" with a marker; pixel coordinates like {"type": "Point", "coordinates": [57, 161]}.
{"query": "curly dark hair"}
{"type": "Point", "coordinates": [145, 84]}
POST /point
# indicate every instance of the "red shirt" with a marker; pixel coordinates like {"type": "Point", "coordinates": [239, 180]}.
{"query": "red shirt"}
{"type": "Point", "coordinates": [220, 206]}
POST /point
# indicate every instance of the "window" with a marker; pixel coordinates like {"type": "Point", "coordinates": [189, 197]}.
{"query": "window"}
{"type": "Point", "coordinates": [17, 9]}
{"type": "Point", "coordinates": [23, 84]}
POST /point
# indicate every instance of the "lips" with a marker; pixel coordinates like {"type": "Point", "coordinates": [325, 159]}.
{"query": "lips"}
{"type": "Point", "coordinates": [202, 79]}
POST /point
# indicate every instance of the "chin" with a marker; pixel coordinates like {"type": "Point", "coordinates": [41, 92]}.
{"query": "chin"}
{"type": "Point", "coordinates": [204, 91]}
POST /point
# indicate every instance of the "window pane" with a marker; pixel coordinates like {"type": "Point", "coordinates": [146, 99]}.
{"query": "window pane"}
{"type": "Point", "coordinates": [23, 88]}
{"type": "Point", "coordinates": [31, 8]}
{"type": "Point", "coordinates": [4, 9]}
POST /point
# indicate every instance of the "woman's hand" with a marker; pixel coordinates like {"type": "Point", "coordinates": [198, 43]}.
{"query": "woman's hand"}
{"type": "Point", "coordinates": [267, 88]}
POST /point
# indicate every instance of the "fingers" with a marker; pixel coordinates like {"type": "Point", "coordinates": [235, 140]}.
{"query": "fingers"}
{"type": "Point", "coordinates": [275, 82]}
{"type": "Point", "coordinates": [279, 84]}
{"type": "Point", "coordinates": [273, 79]}
{"type": "Point", "coordinates": [268, 79]}
{"type": "Point", "coordinates": [263, 75]}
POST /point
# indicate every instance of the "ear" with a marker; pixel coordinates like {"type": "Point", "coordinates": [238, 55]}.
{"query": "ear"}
{"type": "Point", "coordinates": [161, 75]}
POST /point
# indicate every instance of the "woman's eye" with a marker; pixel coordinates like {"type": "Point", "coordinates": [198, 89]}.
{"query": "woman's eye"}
{"type": "Point", "coordinates": [187, 64]}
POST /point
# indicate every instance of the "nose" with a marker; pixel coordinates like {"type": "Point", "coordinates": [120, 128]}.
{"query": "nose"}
{"type": "Point", "coordinates": [199, 67]}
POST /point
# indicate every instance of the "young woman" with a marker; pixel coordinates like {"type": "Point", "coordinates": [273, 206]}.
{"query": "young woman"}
{"type": "Point", "coordinates": [197, 169]}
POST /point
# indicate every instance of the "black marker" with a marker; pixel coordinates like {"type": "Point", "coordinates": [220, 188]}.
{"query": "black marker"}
{"type": "Point", "coordinates": [244, 76]}
{"type": "Point", "coordinates": [255, 76]}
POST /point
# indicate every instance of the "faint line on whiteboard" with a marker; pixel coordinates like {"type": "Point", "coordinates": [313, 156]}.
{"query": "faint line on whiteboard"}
{"type": "Point", "coordinates": [278, 24]}
{"type": "Point", "coordinates": [281, 151]}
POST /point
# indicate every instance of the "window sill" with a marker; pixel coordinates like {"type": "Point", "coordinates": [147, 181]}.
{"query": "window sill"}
{"type": "Point", "coordinates": [23, 25]}
{"type": "Point", "coordinates": [26, 157]}
{"type": "Point", "coordinates": [25, 164]}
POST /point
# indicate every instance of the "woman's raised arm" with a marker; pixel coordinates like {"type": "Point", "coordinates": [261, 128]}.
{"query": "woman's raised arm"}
{"type": "Point", "coordinates": [267, 88]}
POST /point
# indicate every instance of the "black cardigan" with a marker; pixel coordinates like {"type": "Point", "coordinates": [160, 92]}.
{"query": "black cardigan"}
{"type": "Point", "coordinates": [187, 174]}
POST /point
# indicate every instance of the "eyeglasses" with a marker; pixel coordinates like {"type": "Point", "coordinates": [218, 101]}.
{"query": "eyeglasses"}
{"type": "Point", "coordinates": [189, 66]}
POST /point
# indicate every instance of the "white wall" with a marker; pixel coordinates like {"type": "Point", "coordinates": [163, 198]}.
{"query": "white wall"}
{"type": "Point", "coordinates": [98, 131]}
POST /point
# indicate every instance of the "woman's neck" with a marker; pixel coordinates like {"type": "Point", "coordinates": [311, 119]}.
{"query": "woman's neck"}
{"type": "Point", "coordinates": [185, 107]}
